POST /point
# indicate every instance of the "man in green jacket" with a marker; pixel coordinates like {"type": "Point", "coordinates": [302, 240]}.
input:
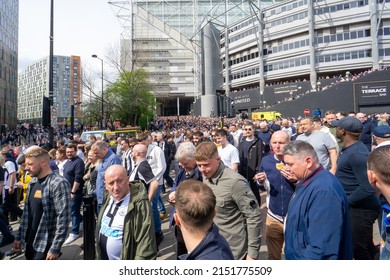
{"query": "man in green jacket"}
{"type": "Point", "coordinates": [238, 215]}
{"type": "Point", "coordinates": [125, 223]}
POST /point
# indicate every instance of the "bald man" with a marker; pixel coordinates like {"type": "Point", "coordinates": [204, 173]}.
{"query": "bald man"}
{"type": "Point", "coordinates": [280, 187]}
{"type": "Point", "coordinates": [143, 171]}
{"type": "Point", "coordinates": [125, 224]}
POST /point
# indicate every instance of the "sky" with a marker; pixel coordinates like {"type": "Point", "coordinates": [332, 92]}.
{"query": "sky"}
{"type": "Point", "coordinates": [81, 27]}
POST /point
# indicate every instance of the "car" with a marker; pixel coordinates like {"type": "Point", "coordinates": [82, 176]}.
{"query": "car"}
{"type": "Point", "coordinates": [99, 134]}
{"type": "Point", "coordinates": [109, 135]}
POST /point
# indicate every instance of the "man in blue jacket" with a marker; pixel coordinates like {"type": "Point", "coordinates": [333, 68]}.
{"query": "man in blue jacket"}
{"type": "Point", "coordinates": [280, 187]}
{"type": "Point", "coordinates": [317, 225]}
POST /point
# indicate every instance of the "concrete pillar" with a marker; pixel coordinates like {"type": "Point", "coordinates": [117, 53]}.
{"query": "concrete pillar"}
{"type": "Point", "coordinates": [212, 70]}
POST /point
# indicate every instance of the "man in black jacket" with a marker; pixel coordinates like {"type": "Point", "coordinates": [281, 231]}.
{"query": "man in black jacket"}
{"type": "Point", "coordinates": [251, 150]}
{"type": "Point", "coordinates": [169, 155]}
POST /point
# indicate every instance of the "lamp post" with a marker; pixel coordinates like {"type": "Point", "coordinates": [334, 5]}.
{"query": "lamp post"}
{"type": "Point", "coordinates": [72, 116]}
{"type": "Point", "coordinates": [102, 123]}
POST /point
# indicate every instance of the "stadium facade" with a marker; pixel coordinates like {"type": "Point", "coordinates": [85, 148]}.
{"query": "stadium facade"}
{"type": "Point", "coordinates": [306, 46]}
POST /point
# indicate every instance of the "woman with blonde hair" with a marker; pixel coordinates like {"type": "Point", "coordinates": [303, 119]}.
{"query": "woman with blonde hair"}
{"type": "Point", "coordinates": [90, 173]}
{"type": "Point", "coordinates": [52, 162]}
{"type": "Point", "coordinates": [24, 179]}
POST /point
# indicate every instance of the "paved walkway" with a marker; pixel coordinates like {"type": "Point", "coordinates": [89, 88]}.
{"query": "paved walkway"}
{"type": "Point", "coordinates": [74, 251]}
{"type": "Point", "coordinates": [167, 248]}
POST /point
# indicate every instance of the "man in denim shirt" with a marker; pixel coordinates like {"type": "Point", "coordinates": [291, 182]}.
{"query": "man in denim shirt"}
{"type": "Point", "coordinates": [108, 158]}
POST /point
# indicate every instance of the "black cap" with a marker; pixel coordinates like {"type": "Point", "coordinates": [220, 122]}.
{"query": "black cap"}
{"type": "Point", "coordinates": [349, 124]}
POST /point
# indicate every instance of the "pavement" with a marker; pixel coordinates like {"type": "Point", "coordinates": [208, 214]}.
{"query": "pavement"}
{"type": "Point", "coordinates": [167, 248]}
{"type": "Point", "coordinates": [167, 251]}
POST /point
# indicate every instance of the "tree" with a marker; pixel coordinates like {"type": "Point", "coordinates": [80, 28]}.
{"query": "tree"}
{"type": "Point", "coordinates": [129, 98]}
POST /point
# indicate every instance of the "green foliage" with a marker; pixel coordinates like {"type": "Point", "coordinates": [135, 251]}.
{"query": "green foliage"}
{"type": "Point", "coordinates": [129, 98]}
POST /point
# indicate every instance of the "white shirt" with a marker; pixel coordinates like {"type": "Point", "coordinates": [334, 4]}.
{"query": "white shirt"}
{"type": "Point", "coordinates": [229, 155]}
{"type": "Point", "coordinates": [237, 135]}
{"type": "Point", "coordinates": [10, 168]}
{"type": "Point", "coordinates": [111, 228]}
{"type": "Point", "coordinates": [61, 167]}
{"type": "Point", "coordinates": [385, 143]}
{"type": "Point", "coordinates": [80, 154]}
{"type": "Point", "coordinates": [156, 160]}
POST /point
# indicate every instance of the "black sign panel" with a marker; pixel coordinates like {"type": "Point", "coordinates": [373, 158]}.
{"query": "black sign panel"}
{"type": "Point", "coordinates": [371, 93]}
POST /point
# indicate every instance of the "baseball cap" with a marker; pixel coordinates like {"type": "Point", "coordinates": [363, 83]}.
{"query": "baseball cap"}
{"type": "Point", "coordinates": [349, 124]}
{"type": "Point", "coordinates": [382, 131]}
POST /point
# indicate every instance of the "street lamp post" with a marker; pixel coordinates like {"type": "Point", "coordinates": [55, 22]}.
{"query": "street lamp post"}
{"type": "Point", "coordinates": [72, 116]}
{"type": "Point", "coordinates": [102, 122]}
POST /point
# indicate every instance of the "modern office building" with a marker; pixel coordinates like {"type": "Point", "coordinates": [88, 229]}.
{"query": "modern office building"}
{"type": "Point", "coordinates": [167, 39]}
{"type": "Point", "coordinates": [33, 85]}
{"type": "Point", "coordinates": [301, 43]}
{"type": "Point", "coordinates": [9, 28]}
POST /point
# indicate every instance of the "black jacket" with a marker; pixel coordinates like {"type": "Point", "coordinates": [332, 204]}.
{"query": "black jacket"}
{"type": "Point", "coordinates": [249, 165]}
{"type": "Point", "coordinates": [169, 150]}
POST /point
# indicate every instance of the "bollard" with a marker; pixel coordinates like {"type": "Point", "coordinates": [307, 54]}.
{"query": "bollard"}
{"type": "Point", "coordinates": [89, 227]}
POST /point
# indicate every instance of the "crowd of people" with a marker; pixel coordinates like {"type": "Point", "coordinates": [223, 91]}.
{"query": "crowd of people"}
{"type": "Point", "coordinates": [324, 83]}
{"type": "Point", "coordinates": [326, 182]}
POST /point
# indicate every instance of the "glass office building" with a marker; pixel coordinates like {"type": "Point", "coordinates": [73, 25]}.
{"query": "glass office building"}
{"type": "Point", "coordinates": [9, 13]}
{"type": "Point", "coordinates": [165, 38]}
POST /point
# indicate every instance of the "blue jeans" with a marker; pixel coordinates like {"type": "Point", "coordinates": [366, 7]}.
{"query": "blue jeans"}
{"type": "Point", "coordinates": [161, 206]}
{"type": "Point", "coordinates": [76, 216]}
{"type": "Point", "coordinates": [156, 212]}
{"type": "Point", "coordinates": [362, 223]}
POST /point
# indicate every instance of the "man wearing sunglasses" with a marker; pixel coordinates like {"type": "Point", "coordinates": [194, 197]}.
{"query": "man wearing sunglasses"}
{"type": "Point", "coordinates": [251, 150]}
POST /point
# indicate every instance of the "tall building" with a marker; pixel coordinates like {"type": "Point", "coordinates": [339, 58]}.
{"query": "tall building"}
{"type": "Point", "coordinates": [9, 28]}
{"type": "Point", "coordinates": [165, 38]}
{"type": "Point", "coordinates": [33, 85]}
